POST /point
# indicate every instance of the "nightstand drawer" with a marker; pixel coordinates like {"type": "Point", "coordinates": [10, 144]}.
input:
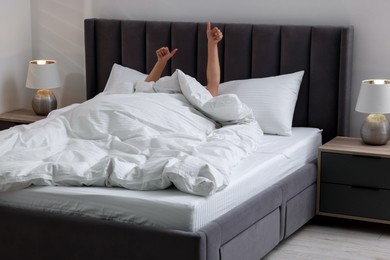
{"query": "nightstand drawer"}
{"type": "Point", "coordinates": [355, 201]}
{"type": "Point", "coordinates": [355, 170]}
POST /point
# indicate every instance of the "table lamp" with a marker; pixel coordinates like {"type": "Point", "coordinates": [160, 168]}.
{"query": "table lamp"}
{"type": "Point", "coordinates": [43, 75]}
{"type": "Point", "coordinates": [374, 99]}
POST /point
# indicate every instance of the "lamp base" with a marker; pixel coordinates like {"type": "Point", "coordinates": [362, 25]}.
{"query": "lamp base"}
{"type": "Point", "coordinates": [375, 130]}
{"type": "Point", "coordinates": [43, 102]}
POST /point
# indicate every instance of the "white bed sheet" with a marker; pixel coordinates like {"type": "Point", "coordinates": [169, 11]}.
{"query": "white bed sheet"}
{"type": "Point", "coordinates": [276, 157]}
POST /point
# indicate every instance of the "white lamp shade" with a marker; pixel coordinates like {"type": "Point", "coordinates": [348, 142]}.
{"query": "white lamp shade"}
{"type": "Point", "coordinates": [43, 74]}
{"type": "Point", "coordinates": [374, 97]}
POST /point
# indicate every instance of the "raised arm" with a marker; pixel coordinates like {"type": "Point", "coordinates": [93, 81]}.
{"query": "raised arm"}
{"type": "Point", "coordinates": [163, 55]}
{"type": "Point", "coordinates": [214, 36]}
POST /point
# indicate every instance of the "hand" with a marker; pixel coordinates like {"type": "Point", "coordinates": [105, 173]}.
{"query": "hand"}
{"type": "Point", "coordinates": [163, 54]}
{"type": "Point", "coordinates": [213, 35]}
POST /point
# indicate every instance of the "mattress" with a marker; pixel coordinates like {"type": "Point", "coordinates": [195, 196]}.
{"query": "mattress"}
{"type": "Point", "coordinates": [275, 158]}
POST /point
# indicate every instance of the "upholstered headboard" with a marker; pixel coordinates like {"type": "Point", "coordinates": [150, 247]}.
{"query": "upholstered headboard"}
{"type": "Point", "coordinates": [247, 51]}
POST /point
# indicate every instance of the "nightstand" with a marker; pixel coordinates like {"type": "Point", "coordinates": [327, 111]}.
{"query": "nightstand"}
{"type": "Point", "coordinates": [354, 180]}
{"type": "Point", "coordinates": [17, 117]}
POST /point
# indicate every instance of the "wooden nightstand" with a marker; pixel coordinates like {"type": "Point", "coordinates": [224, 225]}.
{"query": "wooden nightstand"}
{"type": "Point", "coordinates": [17, 117]}
{"type": "Point", "coordinates": [354, 180]}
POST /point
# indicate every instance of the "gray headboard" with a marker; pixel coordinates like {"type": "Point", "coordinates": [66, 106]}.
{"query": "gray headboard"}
{"type": "Point", "coordinates": [246, 51]}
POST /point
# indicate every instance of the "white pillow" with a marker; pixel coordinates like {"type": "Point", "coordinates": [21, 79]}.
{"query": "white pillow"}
{"type": "Point", "coordinates": [167, 84]}
{"type": "Point", "coordinates": [122, 79]}
{"type": "Point", "coordinates": [223, 108]}
{"type": "Point", "coordinates": [271, 99]}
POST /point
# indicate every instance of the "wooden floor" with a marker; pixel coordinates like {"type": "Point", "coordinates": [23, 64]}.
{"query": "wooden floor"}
{"type": "Point", "coordinates": [335, 239]}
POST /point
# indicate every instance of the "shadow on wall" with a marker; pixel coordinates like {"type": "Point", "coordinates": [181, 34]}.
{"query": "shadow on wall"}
{"type": "Point", "coordinates": [73, 88]}
{"type": "Point", "coordinates": [11, 94]}
{"type": "Point", "coordinates": [58, 33]}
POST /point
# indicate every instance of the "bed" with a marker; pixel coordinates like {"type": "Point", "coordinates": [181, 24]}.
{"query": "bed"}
{"type": "Point", "coordinates": [251, 227]}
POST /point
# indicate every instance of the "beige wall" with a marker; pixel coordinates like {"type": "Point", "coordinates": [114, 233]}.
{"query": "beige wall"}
{"type": "Point", "coordinates": [15, 53]}
{"type": "Point", "coordinates": [57, 29]}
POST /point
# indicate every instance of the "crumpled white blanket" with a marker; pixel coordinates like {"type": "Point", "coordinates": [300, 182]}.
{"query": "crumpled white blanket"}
{"type": "Point", "coordinates": [141, 141]}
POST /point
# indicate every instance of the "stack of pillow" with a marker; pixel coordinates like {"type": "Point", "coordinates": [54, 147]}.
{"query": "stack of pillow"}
{"type": "Point", "coordinates": [272, 100]}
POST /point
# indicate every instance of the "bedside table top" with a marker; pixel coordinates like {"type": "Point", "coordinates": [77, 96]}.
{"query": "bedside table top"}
{"type": "Point", "coordinates": [24, 116]}
{"type": "Point", "coordinates": [352, 145]}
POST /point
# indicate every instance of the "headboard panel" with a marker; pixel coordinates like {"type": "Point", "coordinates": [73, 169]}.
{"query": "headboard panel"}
{"type": "Point", "coordinates": [247, 51]}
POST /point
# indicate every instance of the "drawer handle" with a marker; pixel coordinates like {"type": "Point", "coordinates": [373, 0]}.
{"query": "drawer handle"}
{"type": "Point", "coordinates": [364, 187]}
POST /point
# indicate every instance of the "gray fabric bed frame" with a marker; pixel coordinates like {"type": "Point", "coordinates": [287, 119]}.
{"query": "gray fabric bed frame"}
{"type": "Point", "coordinates": [252, 229]}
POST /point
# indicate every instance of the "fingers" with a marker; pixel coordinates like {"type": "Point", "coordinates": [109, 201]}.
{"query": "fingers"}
{"type": "Point", "coordinates": [214, 34]}
{"type": "Point", "coordinates": [164, 53]}
{"type": "Point", "coordinates": [217, 34]}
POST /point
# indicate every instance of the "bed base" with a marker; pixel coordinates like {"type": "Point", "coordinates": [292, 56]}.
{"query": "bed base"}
{"type": "Point", "coordinates": [247, 232]}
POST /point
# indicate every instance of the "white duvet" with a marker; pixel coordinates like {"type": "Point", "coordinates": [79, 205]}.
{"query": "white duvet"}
{"type": "Point", "coordinates": [140, 141]}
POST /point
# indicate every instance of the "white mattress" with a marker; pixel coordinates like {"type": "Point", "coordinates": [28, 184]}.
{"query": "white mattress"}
{"type": "Point", "coordinates": [277, 157]}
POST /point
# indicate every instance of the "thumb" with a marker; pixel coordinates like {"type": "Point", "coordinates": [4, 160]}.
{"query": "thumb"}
{"type": "Point", "coordinates": [208, 26]}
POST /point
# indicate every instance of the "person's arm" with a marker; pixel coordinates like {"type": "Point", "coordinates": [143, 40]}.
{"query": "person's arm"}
{"type": "Point", "coordinates": [163, 55]}
{"type": "Point", "coordinates": [213, 68]}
